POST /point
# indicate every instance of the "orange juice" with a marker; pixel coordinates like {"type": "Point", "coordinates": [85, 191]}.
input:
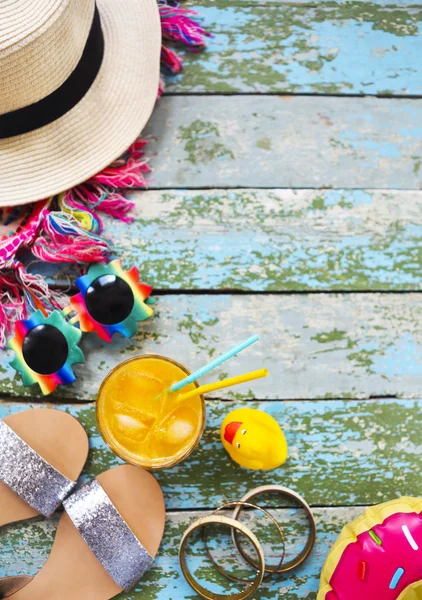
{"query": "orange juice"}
{"type": "Point", "coordinates": [141, 421]}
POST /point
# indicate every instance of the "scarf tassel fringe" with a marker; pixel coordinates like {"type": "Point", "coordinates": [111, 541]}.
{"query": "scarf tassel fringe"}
{"type": "Point", "coordinates": [68, 228]}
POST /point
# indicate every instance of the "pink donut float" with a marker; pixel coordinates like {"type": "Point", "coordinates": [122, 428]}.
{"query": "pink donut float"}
{"type": "Point", "coordinates": [378, 556]}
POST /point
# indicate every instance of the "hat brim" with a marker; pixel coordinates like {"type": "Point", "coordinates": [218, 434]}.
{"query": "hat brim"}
{"type": "Point", "coordinates": [95, 132]}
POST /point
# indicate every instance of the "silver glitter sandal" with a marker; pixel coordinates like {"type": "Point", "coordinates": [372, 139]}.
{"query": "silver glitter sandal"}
{"type": "Point", "coordinates": [106, 539]}
{"type": "Point", "coordinates": [42, 452]}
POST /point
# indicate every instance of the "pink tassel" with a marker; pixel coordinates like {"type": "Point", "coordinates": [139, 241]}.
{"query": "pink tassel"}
{"type": "Point", "coordinates": [179, 25]}
{"type": "Point", "coordinates": [12, 306]}
{"type": "Point", "coordinates": [24, 237]}
{"type": "Point", "coordinates": [39, 293]}
{"type": "Point", "coordinates": [171, 60]}
{"type": "Point", "coordinates": [183, 25]}
{"type": "Point", "coordinates": [69, 251]}
{"type": "Point", "coordinates": [63, 240]}
{"type": "Point", "coordinates": [19, 289]}
{"type": "Point", "coordinates": [95, 197]}
{"type": "Point", "coordinates": [54, 236]}
{"type": "Point", "coordinates": [128, 172]}
{"type": "Point", "coordinates": [102, 192]}
{"type": "Point", "coordinates": [161, 87]}
{"type": "Point", "coordinates": [116, 205]}
{"type": "Point", "coordinates": [73, 235]}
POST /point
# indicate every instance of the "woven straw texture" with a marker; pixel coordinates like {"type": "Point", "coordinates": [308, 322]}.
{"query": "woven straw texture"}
{"type": "Point", "coordinates": [106, 121]}
{"type": "Point", "coordinates": [33, 66]}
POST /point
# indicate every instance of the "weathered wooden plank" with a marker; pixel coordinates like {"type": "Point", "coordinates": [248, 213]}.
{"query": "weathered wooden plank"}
{"type": "Point", "coordinates": [26, 546]}
{"type": "Point", "coordinates": [341, 453]}
{"type": "Point", "coordinates": [351, 48]}
{"type": "Point", "coordinates": [271, 240]}
{"type": "Point", "coordinates": [362, 4]}
{"type": "Point", "coordinates": [315, 346]}
{"type": "Point", "coordinates": [287, 142]}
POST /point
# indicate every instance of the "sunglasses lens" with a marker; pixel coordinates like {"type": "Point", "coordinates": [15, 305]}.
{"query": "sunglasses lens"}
{"type": "Point", "coordinates": [109, 300]}
{"type": "Point", "coordinates": [45, 349]}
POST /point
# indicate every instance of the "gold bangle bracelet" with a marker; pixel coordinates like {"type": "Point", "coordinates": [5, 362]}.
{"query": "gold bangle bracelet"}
{"type": "Point", "coordinates": [269, 570]}
{"type": "Point", "coordinates": [236, 526]}
{"type": "Point", "coordinates": [291, 495]}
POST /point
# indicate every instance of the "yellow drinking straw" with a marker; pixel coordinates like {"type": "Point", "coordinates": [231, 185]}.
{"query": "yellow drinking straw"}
{"type": "Point", "coordinates": [219, 385]}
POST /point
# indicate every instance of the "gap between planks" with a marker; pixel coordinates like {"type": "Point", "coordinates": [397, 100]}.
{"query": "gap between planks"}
{"type": "Point", "coordinates": [332, 48]}
{"type": "Point", "coordinates": [315, 346]}
{"type": "Point", "coordinates": [26, 547]}
{"type": "Point", "coordinates": [349, 143]}
{"type": "Point", "coordinates": [58, 400]}
{"type": "Point", "coordinates": [340, 453]}
{"type": "Point", "coordinates": [223, 241]}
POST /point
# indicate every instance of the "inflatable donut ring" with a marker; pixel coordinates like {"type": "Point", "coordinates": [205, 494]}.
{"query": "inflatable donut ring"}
{"type": "Point", "coordinates": [378, 556]}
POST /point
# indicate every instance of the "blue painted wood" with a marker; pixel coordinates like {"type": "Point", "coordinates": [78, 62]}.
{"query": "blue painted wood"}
{"type": "Point", "coordinates": [335, 48]}
{"type": "Point", "coordinates": [268, 240]}
{"type": "Point", "coordinates": [353, 3]}
{"type": "Point", "coordinates": [25, 547]}
{"type": "Point", "coordinates": [286, 142]}
{"type": "Point", "coordinates": [314, 346]}
{"type": "Point", "coordinates": [340, 453]}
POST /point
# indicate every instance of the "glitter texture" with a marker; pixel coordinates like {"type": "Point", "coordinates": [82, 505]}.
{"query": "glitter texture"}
{"type": "Point", "coordinates": [30, 476]}
{"type": "Point", "coordinates": [108, 535]}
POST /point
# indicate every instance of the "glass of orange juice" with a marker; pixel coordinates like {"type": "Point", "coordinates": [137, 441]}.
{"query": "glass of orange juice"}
{"type": "Point", "coordinates": [141, 421]}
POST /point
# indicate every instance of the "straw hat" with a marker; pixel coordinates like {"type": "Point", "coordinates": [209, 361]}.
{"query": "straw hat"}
{"type": "Point", "coordinates": [78, 82]}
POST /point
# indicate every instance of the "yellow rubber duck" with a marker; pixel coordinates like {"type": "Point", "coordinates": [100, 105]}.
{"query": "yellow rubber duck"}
{"type": "Point", "coordinates": [253, 439]}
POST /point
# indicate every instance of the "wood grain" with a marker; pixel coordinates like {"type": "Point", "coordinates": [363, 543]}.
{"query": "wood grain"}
{"type": "Point", "coordinates": [286, 142]}
{"type": "Point", "coordinates": [315, 346]}
{"type": "Point", "coordinates": [319, 48]}
{"type": "Point", "coordinates": [362, 4]}
{"type": "Point", "coordinates": [341, 453]}
{"type": "Point", "coordinates": [358, 354]}
{"type": "Point", "coordinates": [270, 240]}
{"type": "Point", "coordinates": [26, 546]}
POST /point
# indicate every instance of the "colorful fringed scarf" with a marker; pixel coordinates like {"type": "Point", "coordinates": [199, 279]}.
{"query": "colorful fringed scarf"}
{"type": "Point", "coordinates": [68, 227]}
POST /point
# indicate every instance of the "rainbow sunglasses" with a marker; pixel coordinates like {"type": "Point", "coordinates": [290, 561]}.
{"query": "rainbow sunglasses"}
{"type": "Point", "coordinates": [110, 300]}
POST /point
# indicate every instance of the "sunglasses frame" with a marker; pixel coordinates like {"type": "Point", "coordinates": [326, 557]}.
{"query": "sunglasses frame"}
{"type": "Point", "coordinates": [129, 325]}
{"type": "Point", "coordinates": [64, 375]}
{"type": "Point", "coordinates": [74, 320]}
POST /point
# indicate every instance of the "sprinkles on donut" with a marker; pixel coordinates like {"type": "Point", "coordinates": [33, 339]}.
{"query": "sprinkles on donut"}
{"type": "Point", "coordinates": [378, 556]}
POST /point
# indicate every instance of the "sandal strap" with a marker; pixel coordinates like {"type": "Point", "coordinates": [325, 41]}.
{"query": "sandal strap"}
{"type": "Point", "coordinates": [29, 475]}
{"type": "Point", "coordinates": [108, 535]}
{"type": "Point", "coordinates": [11, 585]}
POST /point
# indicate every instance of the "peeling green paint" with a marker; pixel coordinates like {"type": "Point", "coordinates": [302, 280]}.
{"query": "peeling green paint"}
{"type": "Point", "coordinates": [264, 143]}
{"type": "Point", "coordinates": [318, 203]}
{"type": "Point", "coordinates": [316, 142]}
{"type": "Point", "coordinates": [342, 453]}
{"type": "Point", "coordinates": [275, 240]}
{"type": "Point", "coordinates": [293, 240]}
{"type": "Point", "coordinates": [417, 164]}
{"type": "Point", "coordinates": [199, 142]}
{"type": "Point", "coordinates": [26, 546]}
{"type": "Point", "coordinates": [243, 56]}
{"type": "Point", "coordinates": [330, 336]}
{"type": "Point", "coordinates": [363, 358]}
{"type": "Point", "coordinates": [347, 345]}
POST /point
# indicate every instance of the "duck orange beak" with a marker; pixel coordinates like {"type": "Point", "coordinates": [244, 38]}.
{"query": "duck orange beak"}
{"type": "Point", "coordinates": [231, 430]}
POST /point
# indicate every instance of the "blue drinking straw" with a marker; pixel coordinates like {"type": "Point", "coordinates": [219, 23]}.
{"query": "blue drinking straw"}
{"type": "Point", "coordinates": [215, 363]}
